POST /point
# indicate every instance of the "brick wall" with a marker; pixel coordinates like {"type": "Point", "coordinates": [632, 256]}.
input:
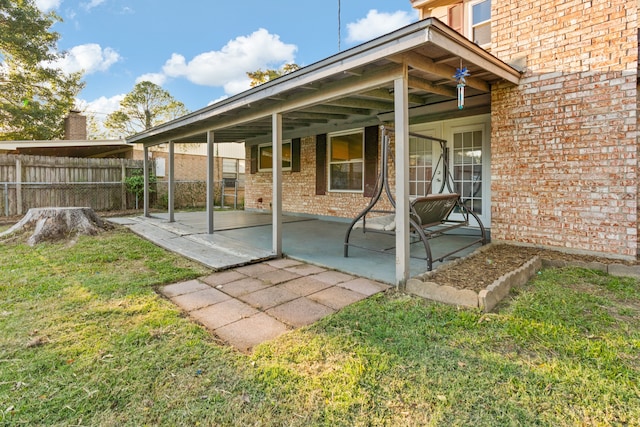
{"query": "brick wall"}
{"type": "Point", "coordinates": [299, 189]}
{"type": "Point", "coordinates": [564, 142]}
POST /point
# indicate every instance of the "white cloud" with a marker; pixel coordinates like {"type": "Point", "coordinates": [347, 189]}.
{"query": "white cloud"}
{"type": "Point", "coordinates": [93, 3]}
{"type": "Point", "coordinates": [376, 24]}
{"type": "Point", "coordinates": [228, 66]}
{"type": "Point", "coordinates": [156, 78]}
{"type": "Point", "coordinates": [88, 58]}
{"type": "Point", "coordinates": [47, 5]}
{"type": "Point", "coordinates": [98, 110]}
{"type": "Point", "coordinates": [215, 101]}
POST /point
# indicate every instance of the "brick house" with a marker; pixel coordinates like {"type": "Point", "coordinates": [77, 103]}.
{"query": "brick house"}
{"type": "Point", "coordinates": [544, 150]}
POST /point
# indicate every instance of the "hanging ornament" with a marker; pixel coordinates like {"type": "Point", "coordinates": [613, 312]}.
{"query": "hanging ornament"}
{"type": "Point", "coordinates": [459, 76]}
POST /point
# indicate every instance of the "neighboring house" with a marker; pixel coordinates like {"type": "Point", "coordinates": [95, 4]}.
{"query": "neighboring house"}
{"type": "Point", "coordinates": [544, 150]}
{"type": "Point", "coordinates": [74, 144]}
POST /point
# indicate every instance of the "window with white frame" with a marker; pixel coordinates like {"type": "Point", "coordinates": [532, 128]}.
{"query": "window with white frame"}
{"type": "Point", "coordinates": [480, 21]}
{"type": "Point", "coordinates": [265, 157]}
{"type": "Point", "coordinates": [232, 172]}
{"type": "Point", "coordinates": [346, 161]}
{"type": "Point", "coordinates": [420, 167]}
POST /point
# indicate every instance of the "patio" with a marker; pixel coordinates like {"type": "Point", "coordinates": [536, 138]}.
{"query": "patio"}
{"type": "Point", "coordinates": [253, 297]}
{"type": "Point", "coordinates": [243, 237]}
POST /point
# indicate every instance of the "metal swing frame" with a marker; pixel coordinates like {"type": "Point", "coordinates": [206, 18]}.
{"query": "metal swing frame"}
{"type": "Point", "coordinates": [429, 216]}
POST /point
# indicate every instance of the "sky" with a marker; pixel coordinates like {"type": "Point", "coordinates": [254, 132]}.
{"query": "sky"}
{"type": "Point", "coordinates": [200, 50]}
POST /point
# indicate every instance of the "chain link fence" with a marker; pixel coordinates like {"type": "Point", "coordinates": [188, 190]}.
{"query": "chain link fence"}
{"type": "Point", "coordinates": [18, 198]}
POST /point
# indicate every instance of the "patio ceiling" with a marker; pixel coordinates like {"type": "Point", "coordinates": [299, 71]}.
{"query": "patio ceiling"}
{"type": "Point", "coordinates": [351, 89]}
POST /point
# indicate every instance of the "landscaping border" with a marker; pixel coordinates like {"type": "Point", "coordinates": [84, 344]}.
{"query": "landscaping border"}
{"type": "Point", "coordinates": [488, 298]}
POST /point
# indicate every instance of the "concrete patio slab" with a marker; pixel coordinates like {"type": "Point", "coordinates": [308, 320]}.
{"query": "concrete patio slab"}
{"type": "Point", "coordinates": [333, 277]}
{"type": "Point", "coordinates": [223, 277]}
{"type": "Point", "coordinates": [224, 313]}
{"type": "Point", "coordinates": [363, 286]}
{"type": "Point", "coordinates": [251, 331]}
{"type": "Point", "coordinates": [300, 312]}
{"type": "Point", "coordinates": [195, 300]}
{"type": "Point", "coordinates": [184, 288]}
{"type": "Point", "coordinates": [283, 262]}
{"type": "Point", "coordinates": [256, 269]}
{"type": "Point", "coordinates": [278, 276]}
{"type": "Point", "coordinates": [243, 286]}
{"type": "Point", "coordinates": [304, 286]}
{"type": "Point", "coordinates": [336, 297]}
{"type": "Point", "coordinates": [305, 269]}
{"type": "Point", "coordinates": [269, 297]}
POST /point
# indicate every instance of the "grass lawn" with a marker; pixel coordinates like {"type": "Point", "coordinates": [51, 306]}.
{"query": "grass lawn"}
{"type": "Point", "coordinates": [85, 340]}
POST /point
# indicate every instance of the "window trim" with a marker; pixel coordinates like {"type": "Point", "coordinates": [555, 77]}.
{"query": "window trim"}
{"type": "Point", "coordinates": [471, 26]}
{"type": "Point", "coordinates": [330, 163]}
{"type": "Point", "coordinates": [261, 146]}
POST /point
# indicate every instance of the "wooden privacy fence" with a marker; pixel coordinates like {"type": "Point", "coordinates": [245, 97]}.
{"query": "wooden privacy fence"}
{"type": "Point", "coordinates": [39, 181]}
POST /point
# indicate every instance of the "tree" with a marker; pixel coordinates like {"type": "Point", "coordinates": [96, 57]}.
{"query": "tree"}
{"type": "Point", "coordinates": [34, 95]}
{"type": "Point", "coordinates": [259, 77]}
{"type": "Point", "coordinates": [146, 106]}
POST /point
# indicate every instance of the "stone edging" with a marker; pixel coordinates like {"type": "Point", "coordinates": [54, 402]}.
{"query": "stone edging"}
{"type": "Point", "coordinates": [488, 298]}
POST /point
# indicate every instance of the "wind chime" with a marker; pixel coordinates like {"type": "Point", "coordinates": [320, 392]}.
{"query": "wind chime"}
{"type": "Point", "coordinates": [461, 74]}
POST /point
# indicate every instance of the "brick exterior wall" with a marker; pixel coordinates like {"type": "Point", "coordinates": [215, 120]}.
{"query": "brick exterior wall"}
{"type": "Point", "coordinates": [299, 189]}
{"type": "Point", "coordinates": [564, 142]}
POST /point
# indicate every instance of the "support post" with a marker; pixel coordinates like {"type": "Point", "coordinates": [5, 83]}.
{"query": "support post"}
{"type": "Point", "coordinates": [401, 107]}
{"type": "Point", "coordinates": [172, 182]}
{"type": "Point", "coordinates": [18, 186]}
{"type": "Point", "coordinates": [210, 182]}
{"type": "Point", "coordinates": [276, 202]}
{"type": "Point", "coordinates": [145, 172]}
{"type": "Point", "coordinates": [123, 186]}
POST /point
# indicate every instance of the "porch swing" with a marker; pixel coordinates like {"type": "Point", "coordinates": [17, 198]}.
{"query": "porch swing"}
{"type": "Point", "coordinates": [430, 217]}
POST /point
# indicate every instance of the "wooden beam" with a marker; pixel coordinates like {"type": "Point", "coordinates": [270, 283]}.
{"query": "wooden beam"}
{"type": "Point", "coordinates": [427, 65]}
{"type": "Point", "coordinates": [323, 109]}
{"type": "Point", "coordinates": [422, 84]}
{"type": "Point", "coordinates": [363, 103]}
{"type": "Point", "coordinates": [388, 95]}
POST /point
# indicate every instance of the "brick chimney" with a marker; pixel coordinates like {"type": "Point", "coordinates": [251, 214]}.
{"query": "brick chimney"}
{"type": "Point", "coordinates": [75, 126]}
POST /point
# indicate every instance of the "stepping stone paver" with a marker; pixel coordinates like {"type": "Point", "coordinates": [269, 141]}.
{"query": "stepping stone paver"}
{"type": "Point", "coordinates": [336, 297]}
{"type": "Point", "coordinates": [300, 312]}
{"type": "Point", "coordinates": [243, 286]}
{"type": "Point", "coordinates": [251, 331]}
{"type": "Point", "coordinates": [283, 262]}
{"type": "Point", "coordinates": [278, 276]}
{"type": "Point", "coordinates": [305, 269]}
{"type": "Point", "coordinates": [183, 288]}
{"type": "Point", "coordinates": [255, 270]}
{"type": "Point", "coordinates": [333, 277]}
{"type": "Point", "coordinates": [255, 303]}
{"type": "Point", "coordinates": [269, 297]}
{"type": "Point", "coordinates": [224, 313]}
{"type": "Point", "coordinates": [195, 300]}
{"type": "Point", "coordinates": [304, 285]}
{"type": "Point", "coordinates": [363, 286]}
{"type": "Point", "coordinates": [222, 277]}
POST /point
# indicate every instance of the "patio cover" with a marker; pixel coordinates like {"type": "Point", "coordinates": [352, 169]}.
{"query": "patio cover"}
{"type": "Point", "coordinates": [403, 75]}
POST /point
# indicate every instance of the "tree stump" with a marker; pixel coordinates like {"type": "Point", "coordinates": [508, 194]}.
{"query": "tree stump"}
{"type": "Point", "coordinates": [51, 224]}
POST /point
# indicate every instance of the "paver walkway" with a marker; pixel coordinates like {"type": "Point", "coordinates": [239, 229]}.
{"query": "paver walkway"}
{"type": "Point", "coordinates": [255, 303]}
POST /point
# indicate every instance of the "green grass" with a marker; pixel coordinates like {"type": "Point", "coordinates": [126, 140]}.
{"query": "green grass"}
{"type": "Point", "coordinates": [85, 340]}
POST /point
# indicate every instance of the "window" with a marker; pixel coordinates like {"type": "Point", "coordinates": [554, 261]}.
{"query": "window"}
{"type": "Point", "coordinates": [232, 171]}
{"type": "Point", "coordinates": [481, 22]}
{"type": "Point", "coordinates": [346, 161]}
{"type": "Point", "coordinates": [420, 167]}
{"type": "Point", "coordinates": [265, 157]}
{"type": "Point", "coordinates": [467, 167]}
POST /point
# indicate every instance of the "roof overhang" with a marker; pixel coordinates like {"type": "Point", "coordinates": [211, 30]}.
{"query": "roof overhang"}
{"type": "Point", "coordinates": [67, 148]}
{"type": "Point", "coordinates": [350, 89]}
